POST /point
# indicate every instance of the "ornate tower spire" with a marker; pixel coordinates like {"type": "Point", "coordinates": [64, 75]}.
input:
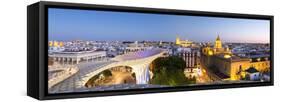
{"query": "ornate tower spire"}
{"type": "Point", "coordinates": [218, 37]}
{"type": "Point", "coordinates": [218, 43]}
{"type": "Point", "coordinates": [177, 39]}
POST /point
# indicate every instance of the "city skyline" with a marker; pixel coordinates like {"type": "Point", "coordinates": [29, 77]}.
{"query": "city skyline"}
{"type": "Point", "coordinates": [67, 24]}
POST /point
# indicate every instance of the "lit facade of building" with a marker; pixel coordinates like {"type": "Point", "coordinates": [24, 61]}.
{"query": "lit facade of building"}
{"type": "Point", "coordinates": [190, 57]}
{"type": "Point", "coordinates": [228, 66]}
{"type": "Point", "coordinates": [56, 46]}
{"type": "Point", "coordinates": [183, 43]}
{"type": "Point", "coordinates": [192, 61]}
{"type": "Point", "coordinates": [217, 49]}
{"type": "Point", "coordinates": [218, 43]}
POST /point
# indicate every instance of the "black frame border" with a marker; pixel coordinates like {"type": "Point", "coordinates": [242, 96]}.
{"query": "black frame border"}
{"type": "Point", "coordinates": [43, 53]}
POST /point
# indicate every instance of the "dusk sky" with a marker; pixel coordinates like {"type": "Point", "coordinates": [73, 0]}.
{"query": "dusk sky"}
{"type": "Point", "coordinates": [70, 24]}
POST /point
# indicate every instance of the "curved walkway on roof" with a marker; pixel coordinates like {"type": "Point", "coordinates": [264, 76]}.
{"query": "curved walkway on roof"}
{"type": "Point", "coordinates": [137, 55]}
{"type": "Point", "coordinates": [139, 61]}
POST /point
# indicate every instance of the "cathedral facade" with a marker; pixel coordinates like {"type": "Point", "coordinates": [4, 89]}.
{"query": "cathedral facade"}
{"type": "Point", "coordinates": [216, 49]}
{"type": "Point", "coordinates": [226, 66]}
{"type": "Point", "coordinates": [183, 43]}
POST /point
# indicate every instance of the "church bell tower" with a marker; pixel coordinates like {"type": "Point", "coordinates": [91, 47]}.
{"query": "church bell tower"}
{"type": "Point", "coordinates": [177, 40]}
{"type": "Point", "coordinates": [218, 43]}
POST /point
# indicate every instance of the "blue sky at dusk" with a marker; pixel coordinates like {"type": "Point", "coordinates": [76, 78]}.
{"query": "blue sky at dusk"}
{"type": "Point", "coordinates": [70, 24]}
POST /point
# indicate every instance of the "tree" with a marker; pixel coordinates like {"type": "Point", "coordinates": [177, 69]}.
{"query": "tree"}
{"type": "Point", "coordinates": [133, 75]}
{"type": "Point", "coordinates": [169, 71]}
{"type": "Point", "coordinates": [107, 73]}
